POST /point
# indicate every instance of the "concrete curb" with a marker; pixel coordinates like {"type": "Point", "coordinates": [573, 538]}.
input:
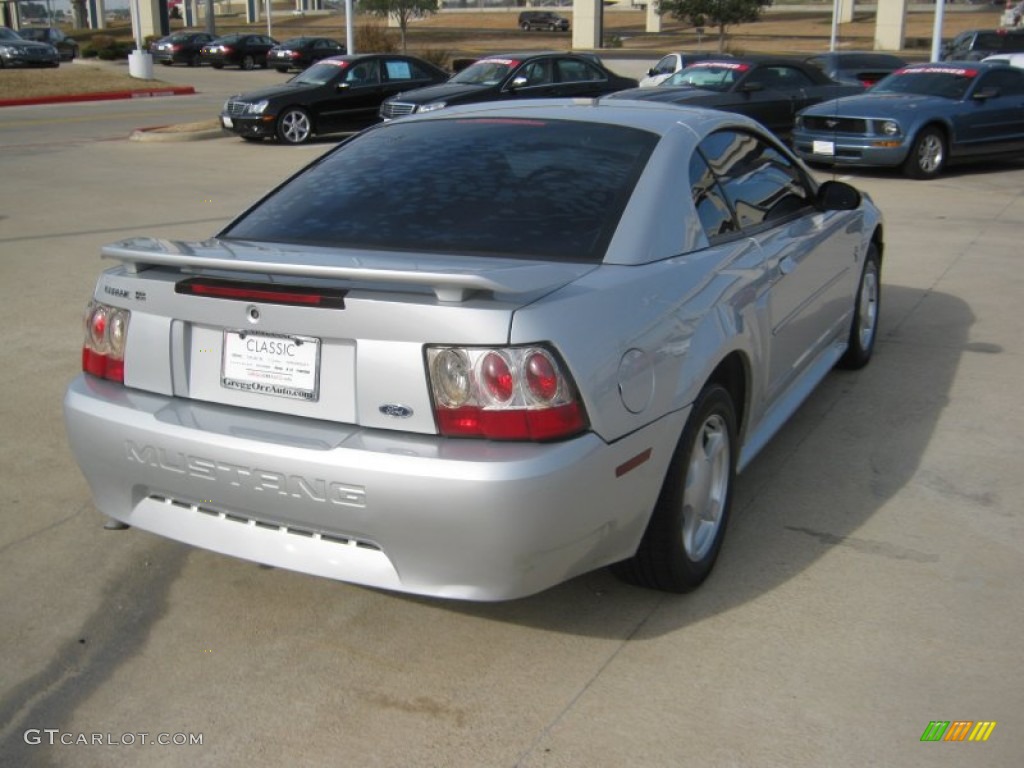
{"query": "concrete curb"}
{"type": "Point", "coordinates": [140, 93]}
{"type": "Point", "coordinates": [209, 129]}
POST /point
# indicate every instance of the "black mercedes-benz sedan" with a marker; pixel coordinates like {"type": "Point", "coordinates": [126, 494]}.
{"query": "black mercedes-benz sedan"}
{"type": "Point", "coordinates": [340, 93]}
{"type": "Point", "coordinates": [513, 76]}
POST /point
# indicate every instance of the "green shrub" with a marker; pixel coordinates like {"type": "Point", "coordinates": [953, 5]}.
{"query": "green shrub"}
{"type": "Point", "coordinates": [106, 48]}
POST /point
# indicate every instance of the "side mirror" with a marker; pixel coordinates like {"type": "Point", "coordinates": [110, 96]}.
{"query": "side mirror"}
{"type": "Point", "coordinates": [837, 196]}
{"type": "Point", "coordinates": [652, 71]}
{"type": "Point", "coordinates": [518, 82]}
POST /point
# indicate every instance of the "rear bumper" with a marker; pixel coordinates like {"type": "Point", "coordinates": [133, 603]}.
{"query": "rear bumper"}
{"type": "Point", "coordinates": [449, 518]}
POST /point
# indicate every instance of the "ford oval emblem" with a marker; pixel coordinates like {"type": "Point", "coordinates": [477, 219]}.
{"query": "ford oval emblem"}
{"type": "Point", "coordinates": [398, 411]}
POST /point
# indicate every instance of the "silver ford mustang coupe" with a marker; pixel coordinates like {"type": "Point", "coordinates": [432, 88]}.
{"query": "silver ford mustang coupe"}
{"type": "Point", "coordinates": [474, 353]}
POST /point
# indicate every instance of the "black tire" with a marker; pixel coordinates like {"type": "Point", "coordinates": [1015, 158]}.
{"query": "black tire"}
{"type": "Point", "coordinates": [253, 139]}
{"type": "Point", "coordinates": [525, 27]}
{"type": "Point", "coordinates": [282, 70]}
{"type": "Point", "coordinates": [217, 66]}
{"type": "Point", "coordinates": [248, 63]}
{"type": "Point", "coordinates": [681, 543]}
{"type": "Point", "coordinates": [294, 126]}
{"type": "Point", "coordinates": [167, 63]}
{"type": "Point", "coordinates": [864, 329]}
{"type": "Point", "coordinates": [927, 155]}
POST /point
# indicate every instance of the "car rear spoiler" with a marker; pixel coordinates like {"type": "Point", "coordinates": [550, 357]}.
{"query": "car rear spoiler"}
{"type": "Point", "coordinates": [451, 278]}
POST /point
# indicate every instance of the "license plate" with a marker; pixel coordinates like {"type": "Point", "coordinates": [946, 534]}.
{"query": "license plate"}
{"type": "Point", "coordinates": [227, 122]}
{"type": "Point", "coordinates": [269, 364]}
{"type": "Point", "coordinates": [824, 148]}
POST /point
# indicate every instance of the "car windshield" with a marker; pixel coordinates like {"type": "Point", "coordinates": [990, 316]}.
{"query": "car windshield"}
{"type": "Point", "coordinates": [33, 34]}
{"type": "Point", "coordinates": [320, 73]}
{"type": "Point", "coordinates": [9, 34]}
{"type": "Point", "coordinates": [523, 188]}
{"type": "Point", "coordinates": [945, 82]}
{"type": "Point", "coordinates": [295, 42]}
{"type": "Point", "coordinates": [712, 76]}
{"type": "Point", "coordinates": [487, 72]}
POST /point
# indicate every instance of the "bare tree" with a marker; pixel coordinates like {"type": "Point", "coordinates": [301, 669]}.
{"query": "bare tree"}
{"type": "Point", "coordinates": [403, 10]}
{"type": "Point", "coordinates": [715, 13]}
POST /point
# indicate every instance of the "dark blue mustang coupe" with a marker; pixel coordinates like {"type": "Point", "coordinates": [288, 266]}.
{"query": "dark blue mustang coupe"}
{"type": "Point", "coordinates": [920, 118]}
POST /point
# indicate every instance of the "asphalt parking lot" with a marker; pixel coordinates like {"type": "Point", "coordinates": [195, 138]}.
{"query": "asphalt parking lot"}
{"type": "Point", "coordinates": [869, 586]}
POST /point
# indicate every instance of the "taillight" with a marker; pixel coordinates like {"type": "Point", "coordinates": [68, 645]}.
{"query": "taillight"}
{"type": "Point", "coordinates": [106, 329]}
{"type": "Point", "coordinates": [503, 393]}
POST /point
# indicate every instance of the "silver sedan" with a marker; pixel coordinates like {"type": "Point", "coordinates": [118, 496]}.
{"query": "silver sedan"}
{"type": "Point", "coordinates": [477, 352]}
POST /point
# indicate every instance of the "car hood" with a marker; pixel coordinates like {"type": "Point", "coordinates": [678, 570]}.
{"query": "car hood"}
{"type": "Point", "coordinates": [671, 93]}
{"type": "Point", "coordinates": [880, 105]}
{"type": "Point", "coordinates": [451, 278]}
{"type": "Point", "coordinates": [25, 44]}
{"type": "Point", "coordinates": [274, 92]}
{"type": "Point", "coordinates": [447, 92]}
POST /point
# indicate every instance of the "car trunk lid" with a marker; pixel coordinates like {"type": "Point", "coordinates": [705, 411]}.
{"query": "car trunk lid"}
{"type": "Point", "coordinates": [317, 332]}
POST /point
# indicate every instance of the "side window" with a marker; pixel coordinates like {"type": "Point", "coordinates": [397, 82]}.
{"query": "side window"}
{"type": "Point", "coordinates": [712, 209]}
{"type": "Point", "coordinates": [666, 66]}
{"type": "Point", "coordinates": [1010, 82]}
{"type": "Point", "coordinates": [779, 78]}
{"type": "Point", "coordinates": [364, 73]}
{"type": "Point", "coordinates": [537, 72]}
{"type": "Point", "coordinates": [576, 71]}
{"type": "Point", "coordinates": [760, 183]}
{"type": "Point", "coordinates": [397, 69]}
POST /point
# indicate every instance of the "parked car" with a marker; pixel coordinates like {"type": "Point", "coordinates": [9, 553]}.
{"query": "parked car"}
{"type": "Point", "coordinates": [302, 52]}
{"type": "Point", "coordinates": [513, 76]}
{"type": "Point", "coordinates": [671, 63]}
{"type": "Point", "coordinates": [15, 51]}
{"type": "Point", "coordinates": [863, 68]}
{"type": "Point", "coordinates": [976, 44]}
{"type": "Point", "coordinates": [387, 370]}
{"type": "Point", "coordinates": [181, 48]}
{"type": "Point", "coordinates": [243, 51]}
{"type": "Point", "coordinates": [337, 94]}
{"type": "Point", "coordinates": [66, 46]}
{"type": "Point", "coordinates": [920, 118]}
{"type": "Point", "coordinates": [771, 89]}
{"type": "Point", "coordinates": [1013, 59]}
{"type": "Point", "coordinates": [553, 22]}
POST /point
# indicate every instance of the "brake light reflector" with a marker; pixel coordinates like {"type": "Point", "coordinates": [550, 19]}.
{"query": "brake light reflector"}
{"type": "Point", "coordinates": [237, 290]}
{"type": "Point", "coordinates": [106, 333]}
{"type": "Point", "coordinates": [541, 377]}
{"type": "Point", "coordinates": [496, 378]}
{"type": "Point", "coordinates": [506, 393]}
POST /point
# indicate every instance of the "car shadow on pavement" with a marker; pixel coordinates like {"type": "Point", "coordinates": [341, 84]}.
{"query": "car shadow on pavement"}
{"type": "Point", "coordinates": [852, 446]}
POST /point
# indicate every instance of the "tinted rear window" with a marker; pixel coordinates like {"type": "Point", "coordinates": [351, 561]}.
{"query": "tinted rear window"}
{"type": "Point", "coordinates": [508, 187]}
